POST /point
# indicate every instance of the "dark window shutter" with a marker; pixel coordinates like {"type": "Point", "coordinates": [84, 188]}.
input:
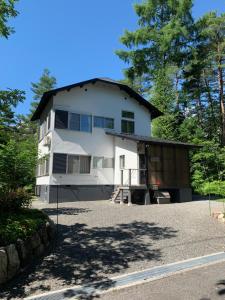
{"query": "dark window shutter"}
{"type": "Point", "coordinates": [61, 119]}
{"type": "Point", "coordinates": [59, 163]}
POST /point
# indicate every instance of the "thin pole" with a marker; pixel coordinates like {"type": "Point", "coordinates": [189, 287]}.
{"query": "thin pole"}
{"type": "Point", "coordinates": [147, 170]}
{"type": "Point", "coordinates": [209, 205]}
{"type": "Point", "coordinates": [57, 214]}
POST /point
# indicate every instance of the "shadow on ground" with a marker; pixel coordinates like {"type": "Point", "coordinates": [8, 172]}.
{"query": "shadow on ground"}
{"type": "Point", "coordinates": [83, 255]}
{"type": "Point", "coordinates": [221, 286]}
{"type": "Point", "coordinates": [65, 211]}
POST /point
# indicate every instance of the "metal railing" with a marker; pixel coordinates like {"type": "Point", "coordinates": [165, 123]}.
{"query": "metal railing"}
{"type": "Point", "coordinates": [131, 177]}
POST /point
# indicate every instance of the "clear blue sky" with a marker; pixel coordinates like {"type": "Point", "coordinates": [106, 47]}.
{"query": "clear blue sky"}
{"type": "Point", "coordinates": [75, 39]}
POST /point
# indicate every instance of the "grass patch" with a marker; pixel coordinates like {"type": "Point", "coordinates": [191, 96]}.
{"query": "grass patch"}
{"type": "Point", "coordinates": [20, 224]}
{"type": "Point", "coordinates": [218, 200]}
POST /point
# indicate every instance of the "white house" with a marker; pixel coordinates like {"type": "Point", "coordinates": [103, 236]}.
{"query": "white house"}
{"type": "Point", "coordinates": [89, 141]}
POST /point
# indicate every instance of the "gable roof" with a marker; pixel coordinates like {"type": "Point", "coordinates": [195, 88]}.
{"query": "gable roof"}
{"type": "Point", "coordinates": [46, 96]}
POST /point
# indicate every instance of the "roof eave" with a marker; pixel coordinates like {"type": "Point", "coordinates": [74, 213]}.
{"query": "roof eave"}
{"type": "Point", "coordinates": [43, 102]}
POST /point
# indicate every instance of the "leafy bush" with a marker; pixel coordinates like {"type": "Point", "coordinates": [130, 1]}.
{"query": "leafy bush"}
{"type": "Point", "coordinates": [214, 188]}
{"type": "Point", "coordinates": [14, 200]}
{"type": "Point", "coordinates": [19, 225]}
{"type": "Point", "coordinates": [208, 167]}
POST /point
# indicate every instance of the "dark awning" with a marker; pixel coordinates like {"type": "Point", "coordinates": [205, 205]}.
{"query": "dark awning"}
{"type": "Point", "coordinates": [150, 140]}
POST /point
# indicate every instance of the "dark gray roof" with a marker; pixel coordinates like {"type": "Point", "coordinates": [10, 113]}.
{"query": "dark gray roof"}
{"type": "Point", "coordinates": [150, 140]}
{"type": "Point", "coordinates": [46, 96]}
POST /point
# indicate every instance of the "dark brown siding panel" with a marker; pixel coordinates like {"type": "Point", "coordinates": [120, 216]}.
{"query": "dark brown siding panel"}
{"type": "Point", "coordinates": [168, 166]}
{"type": "Point", "coordinates": [59, 163]}
{"type": "Point", "coordinates": [61, 119]}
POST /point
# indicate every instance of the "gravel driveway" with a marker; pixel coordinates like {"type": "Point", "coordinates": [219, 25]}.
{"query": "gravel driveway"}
{"type": "Point", "coordinates": [98, 240]}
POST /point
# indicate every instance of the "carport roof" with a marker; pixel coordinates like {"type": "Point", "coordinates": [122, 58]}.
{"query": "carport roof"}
{"type": "Point", "coordinates": [150, 140]}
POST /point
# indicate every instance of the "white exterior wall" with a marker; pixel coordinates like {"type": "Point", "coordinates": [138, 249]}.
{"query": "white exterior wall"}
{"type": "Point", "coordinates": [129, 149]}
{"type": "Point", "coordinates": [99, 100]}
{"type": "Point", "coordinates": [43, 150]}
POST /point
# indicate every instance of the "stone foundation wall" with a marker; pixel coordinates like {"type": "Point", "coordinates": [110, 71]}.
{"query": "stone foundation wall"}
{"type": "Point", "coordinates": [15, 257]}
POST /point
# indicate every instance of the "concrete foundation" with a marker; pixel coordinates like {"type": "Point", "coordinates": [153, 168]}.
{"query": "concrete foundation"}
{"type": "Point", "coordinates": [71, 193]}
{"type": "Point", "coordinates": [185, 195]}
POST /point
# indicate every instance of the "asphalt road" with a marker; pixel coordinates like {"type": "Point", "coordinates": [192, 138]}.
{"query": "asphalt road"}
{"type": "Point", "coordinates": [207, 283]}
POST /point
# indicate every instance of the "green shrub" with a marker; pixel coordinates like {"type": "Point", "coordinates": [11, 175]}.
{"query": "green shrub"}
{"type": "Point", "coordinates": [19, 225]}
{"type": "Point", "coordinates": [214, 188]}
{"type": "Point", "coordinates": [14, 200]}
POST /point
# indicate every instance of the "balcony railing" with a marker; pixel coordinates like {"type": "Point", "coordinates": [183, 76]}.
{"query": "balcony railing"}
{"type": "Point", "coordinates": [133, 177]}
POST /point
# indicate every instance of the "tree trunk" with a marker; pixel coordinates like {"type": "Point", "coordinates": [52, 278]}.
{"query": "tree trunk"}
{"type": "Point", "coordinates": [210, 101]}
{"type": "Point", "coordinates": [221, 98]}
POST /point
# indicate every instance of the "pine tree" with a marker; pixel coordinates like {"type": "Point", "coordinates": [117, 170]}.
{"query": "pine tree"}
{"type": "Point", "coordinates": [7, 10]}
{"type": "Point", "coordinates": [212, 32]}
{"type": "Point", "coordinates": [46, 83]}
{"type": "Point", "coordinates": [161, 40]}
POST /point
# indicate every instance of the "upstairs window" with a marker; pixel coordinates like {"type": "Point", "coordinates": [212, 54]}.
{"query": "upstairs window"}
{"type": "Point", "coordinates": [127, 122]}
{"type": "Point", "coordinates": [49, 120]}
{"type": "Point", "coordinates": [102, 122]}
{"type": "Point", "coordinates": [127, 127]}
{"type": "Point", "coordinates": [73, 121]}
{"type": "Point", "coordinates": [85, 123]}
{"type": "Point", "coordinates": [127, 114]}
{"type": "Point", "coordinates": [61, 119]}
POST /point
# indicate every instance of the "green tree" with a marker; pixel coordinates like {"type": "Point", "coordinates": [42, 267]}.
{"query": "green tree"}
{"type": "Point", "coordinates": [7, 10]}
{"type": "Point", "coordinates": [17, 163]}
{"type": "Point", "coordinates": [212, 34]}
{"type": "Point", "coordinates": [8, 123]}
{"type": "Point", "coordinates": [180, 64]}
{"type": "Point", "coordinates": [46, 83]}
{"type": "Point", "coordinates": [157, 53]}
{"type": "Point", "coordinates": [8, 98]}
{"type": "Point", "coordinates": [161, 40]}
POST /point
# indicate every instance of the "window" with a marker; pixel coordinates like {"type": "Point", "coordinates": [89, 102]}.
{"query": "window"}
{"type": "Point", "coordinates": [122, 161]}
{"type": "Point", "coordinates": [43, 166]}
{"type": "Point", "coordinates": [85, 162]}
{"type": "Point", "coordinates": [42, 130]}
{"type": "Point", "coordinates": [108, 163]}
{"type": "Point", "coordinates": [61, 119]}
{"type": "Point", "coordinates": [127, 127]}
{"type": "Point", "coordinates": [80, 122]}
{"type": "Point", "coordinates": [74, 121]}
{"type": "Point", "coordinates": [101, 122]}
{"type": "Point", "coordinates": [85, 123]}
{"type": "Point", "coordinates": [59, 163]}
{"type": "Point", "coordinates": [49, 120]}
{"type": "Point", "coordinates": [127, 114]}
{"type": "Point", "coordinates": [98, 162]}
{"type": "Point", "coordinates": [109, 123]}
{"type": "Point", "coordinates": [47, 166]}
{"type": "Point", "coordinates": [71, 164]}
{"type": "Point", "coordinates": [102, 162]}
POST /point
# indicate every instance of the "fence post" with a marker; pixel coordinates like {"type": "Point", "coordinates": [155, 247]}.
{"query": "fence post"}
{"type": "Point", "coordinates": [129, 182]}
{"type": "Point", "coordinates": [121, 177]}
